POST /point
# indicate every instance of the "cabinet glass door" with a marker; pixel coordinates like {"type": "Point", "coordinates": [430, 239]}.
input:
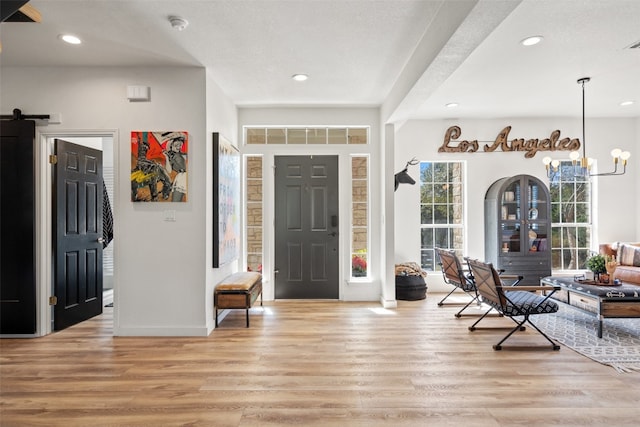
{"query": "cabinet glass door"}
{"type": "Point", "coordinates": [511, 206]}
{"type": "Point", "coordinates": [536, 211]}
{"type": "Point", "coordinates": [510, 215]}
{"type": "Point", "coordinates": [511, 236]}
{"type": "Point", "coordinates": [536, 202]}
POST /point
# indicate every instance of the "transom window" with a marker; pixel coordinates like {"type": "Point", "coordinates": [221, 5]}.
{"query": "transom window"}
{"type": "Point", "coordinates": [441, 209]}
{"type": "Point", "coordinates": [307, 135]}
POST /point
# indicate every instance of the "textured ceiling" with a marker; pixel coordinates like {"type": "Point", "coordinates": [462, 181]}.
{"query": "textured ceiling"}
{"type": "Point", "coordinates": [409, 56]}
{"type": "Point", "coordinates": [590, 38]}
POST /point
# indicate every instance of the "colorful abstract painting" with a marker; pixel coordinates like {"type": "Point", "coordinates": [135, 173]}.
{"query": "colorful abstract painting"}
{"type": "Point", "coordinates": [159, 166]}
{"type": "Point", "coordinates": [226, 201]}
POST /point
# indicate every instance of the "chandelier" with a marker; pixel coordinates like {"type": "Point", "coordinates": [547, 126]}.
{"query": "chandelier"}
{"type": "Point", "coordinates": [582, 165]}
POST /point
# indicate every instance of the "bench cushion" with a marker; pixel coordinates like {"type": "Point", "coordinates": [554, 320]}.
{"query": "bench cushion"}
{"type": "Point", "coordinates": [242, 281]}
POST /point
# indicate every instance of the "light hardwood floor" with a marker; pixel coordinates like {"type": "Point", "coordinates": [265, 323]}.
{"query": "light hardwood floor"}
{"type": "Point", "coordinates": [311, 363]}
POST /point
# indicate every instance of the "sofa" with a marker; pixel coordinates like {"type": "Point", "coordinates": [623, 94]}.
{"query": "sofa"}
{"type": "Point", "coordinates": [628, 257]}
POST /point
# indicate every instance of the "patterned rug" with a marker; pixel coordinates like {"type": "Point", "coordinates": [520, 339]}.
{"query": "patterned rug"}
{"type": "Point", "coordinates": [619, 346]}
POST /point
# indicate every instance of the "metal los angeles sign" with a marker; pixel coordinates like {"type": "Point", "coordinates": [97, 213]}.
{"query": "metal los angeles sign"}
{"type": "Point", "coordinates": [502, 142]}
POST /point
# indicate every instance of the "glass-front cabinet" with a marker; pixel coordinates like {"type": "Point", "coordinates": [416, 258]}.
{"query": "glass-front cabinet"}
{"type": "Point", "coordinates": [518, 227]}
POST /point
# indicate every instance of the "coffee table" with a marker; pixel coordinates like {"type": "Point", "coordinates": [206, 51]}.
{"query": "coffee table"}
{"type": "Point", "coordinates": [605, 301]}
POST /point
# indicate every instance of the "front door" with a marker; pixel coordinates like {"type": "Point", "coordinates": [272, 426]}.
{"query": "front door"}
{"type": "Point", "coordinates": [306, 227]}
{"type": "Point", "coordinates": [17, 225]}
{"type": "Point", "coordinates": [78, 233]}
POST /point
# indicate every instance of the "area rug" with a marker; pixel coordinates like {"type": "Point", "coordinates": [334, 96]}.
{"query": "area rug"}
{"type": "Point", "coordinates": [619, 346]}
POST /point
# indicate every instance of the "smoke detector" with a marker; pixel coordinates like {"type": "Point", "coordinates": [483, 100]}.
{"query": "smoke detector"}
{"type": "Point", "coordinates": [178, 23]}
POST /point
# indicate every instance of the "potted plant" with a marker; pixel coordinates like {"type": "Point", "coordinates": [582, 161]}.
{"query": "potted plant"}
{"type": "Point", "coordinates": [359, 265]}
{"type": "Point", "coordinates": [598, 265]}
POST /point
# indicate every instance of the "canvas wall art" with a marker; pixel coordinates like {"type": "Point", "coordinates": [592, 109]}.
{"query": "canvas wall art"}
{"type": "Point", "coordinates": [159, 166]}
{"type": "Point", "coordinates": [226, 201]}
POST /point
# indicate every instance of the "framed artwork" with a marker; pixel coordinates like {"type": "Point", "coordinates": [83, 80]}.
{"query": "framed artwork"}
{"type": "Point", "coordinates": [159, 166]}
{"type": "Point", "coordinates": [226, 201]}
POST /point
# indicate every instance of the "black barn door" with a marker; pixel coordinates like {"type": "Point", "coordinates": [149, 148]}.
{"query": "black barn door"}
{"type": "Point", "coordinates": [17, 227]}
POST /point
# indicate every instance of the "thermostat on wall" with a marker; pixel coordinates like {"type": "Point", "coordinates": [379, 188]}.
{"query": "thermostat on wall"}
{"type": "Point", "coordinates": [138, 93]}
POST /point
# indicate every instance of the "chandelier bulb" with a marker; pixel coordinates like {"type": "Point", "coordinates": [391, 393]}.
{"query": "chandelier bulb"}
{"type": "Point", "coordinates": [615, 153]}
{"type": "Point", "coordinates": [625, 155]}
{"type": "Point", "coordinates": [546, 161]}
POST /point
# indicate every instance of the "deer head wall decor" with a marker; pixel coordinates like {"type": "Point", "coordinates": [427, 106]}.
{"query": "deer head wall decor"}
{"type": "Point", "coordinates": [403, 177]}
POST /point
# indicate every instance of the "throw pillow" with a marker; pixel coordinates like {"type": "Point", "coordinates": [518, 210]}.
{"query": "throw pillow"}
{"type": "Point", "coordinates": [629, 255]}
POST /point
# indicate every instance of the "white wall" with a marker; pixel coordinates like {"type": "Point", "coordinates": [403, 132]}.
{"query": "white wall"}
{"type": "Point", "coordinates": [635, 164]}
{"type": "Point", "coordinates": [616, 204]}
{"type": "Point", "coordinates": [161, 268]}
{"type": "Point", "coordinates": [349, 290]}
{"type": "Point", "coordinates": [221, 117]}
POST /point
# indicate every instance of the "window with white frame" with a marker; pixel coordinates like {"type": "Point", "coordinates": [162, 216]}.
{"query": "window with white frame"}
{"type": "Point", "coordinates": [441, 209]}
{"type": "Point", "coordinates": [253, 225]}
{"type": "Point", "coordinates": [571, 221]}
{"type": "Point", "coordinates": [359, 216]}
{"type": "Point", "coordinates": [297, 135]}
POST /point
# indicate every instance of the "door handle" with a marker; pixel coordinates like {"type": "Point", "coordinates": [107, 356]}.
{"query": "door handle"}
{"type": "Point", "coordinates": [333, 234]}
{"type": "Point", "coordinates": [276, 271]}
{"type": "Point", "coordinates": [100, 240]}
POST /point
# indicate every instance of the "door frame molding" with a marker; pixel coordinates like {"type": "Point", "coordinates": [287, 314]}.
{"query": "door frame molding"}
{"type": "Point", "coordinates": [369, 290]}
{"type": "Point", "coordinates": [44, 213]}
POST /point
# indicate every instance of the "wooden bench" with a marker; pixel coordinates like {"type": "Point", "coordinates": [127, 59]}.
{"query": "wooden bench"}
{"type": "Point", "coordinates": [240, 290]}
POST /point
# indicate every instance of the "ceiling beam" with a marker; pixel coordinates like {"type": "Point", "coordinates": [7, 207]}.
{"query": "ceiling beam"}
{"type": "Point", "coordinates": [18, 11]}
{"type": "Point", "coordinates": [459, 28]}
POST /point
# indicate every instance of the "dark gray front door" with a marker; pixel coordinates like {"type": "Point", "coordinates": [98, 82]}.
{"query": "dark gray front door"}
{"type": "Point", "coordinates": [78, 233]}
{"type": "Point", "coordinates": [306, 227]}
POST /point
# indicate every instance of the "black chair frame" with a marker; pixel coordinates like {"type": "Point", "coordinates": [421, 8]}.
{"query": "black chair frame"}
{"type": "Point", "coordinates": [523, 301]}
{"type": "Point", "coordinates": [458, 277]}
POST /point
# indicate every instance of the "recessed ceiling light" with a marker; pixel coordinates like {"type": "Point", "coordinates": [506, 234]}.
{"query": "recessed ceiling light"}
{"type": "Point", "coordinates": [451, 105]}
{"type": "Point", "coordinates": [530, 41]}
{"type": "Point", "coordinates": [625, 103]}
{"type": "Point", "coordinates": [299, 77]}
{"type": "Point", "coordinates": [68, 38]}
